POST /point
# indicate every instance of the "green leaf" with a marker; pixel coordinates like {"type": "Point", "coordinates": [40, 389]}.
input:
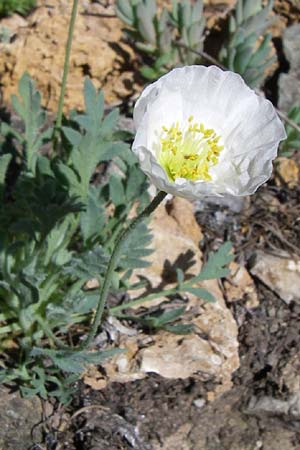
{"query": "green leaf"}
{"type": "Point", "coordinates": [163, 60]}
{"type": "Point", "coordinates": [7, 130]}
{"type": "Point", "coordinates": [116, 189]}
{"type": "Point", "coordinates": [56, 241]}
{"type": "Point", "coordinates": [4, 163]}
{"type": "Point", "coordinates": [28, 106]}
{"type": "Point", "coordinates": [180, 275]}
{"type": "Point", "coordinates": [147, 48]}
{"type": "Point", "coordinates": [84, 121]}
{"type": "Point", "coordinates": [37, 382]}
{"type": "Point", "coordinates": [74, 361]}
{"type": "Point", "coordinates": [109, 122]}
{"type": "Point", "coordinates": [292, 142]}
{"type": "Point", "coordinates": [89, 264]}
{"type": "Point", "coordinates": [215, 267]}
{"type": "Point", "coordinates": [200, 292]}
{"type": "Point", "coordinates": [94, 102]}
{"type": "Point", "coordinates": [93, 218]}
{"type": "Point", "coordinates": [112, 149]}
{"type": "Point", "coordinates": [181, 329]}
{"type": "Point", "coordinates": [73, 136]}
{"type": "Point", "coordinates": [71, 178]}
{"type": "Point", "coordinates": [134, 249]}
{"type": "Point", "coordinates": [242, 60]}
{"type": "Point", "coordinates": [125, 11]}
{"type": "Point", "coordinates": [44, 167]}
{"type": "Point", "coordinates": [149, 73]}
{"type": "Point", "coordinates": [169, 316]}
{"type": "Point", "coordinates": [135, 182]}
{"type": "Point", "coordinates": [145, 24]}
{"type": "Point", "coordinates": [243, 52]}
{"type": "Point", "coordinates": [95, 142]}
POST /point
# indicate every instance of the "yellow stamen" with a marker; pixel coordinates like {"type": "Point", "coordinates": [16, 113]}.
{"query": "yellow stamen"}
{"type": "Point", "coordinates": [189, 152]}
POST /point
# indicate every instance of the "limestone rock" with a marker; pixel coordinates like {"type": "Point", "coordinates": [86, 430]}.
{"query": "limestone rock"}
{"type": "Point", "coordinates": [232, 202]}
{"type": "Point", "coordinates": [39, 48]}
{"type": "Point", "coordinates": [289, 83]}
{"type": "Point", "coordinates": [14, 23]}
{"type": "Point", "coordinates": [178, 439]}
{"type": "Point", "coordinates": [290, 375]}
{"type": "Point", "coordinates": [183, 213]}
{"type": "Point", "coordinates": [17, 417]}
{"type": "Point", "coordinates": [286, 12]}
{"type": "Point", "coordinates": [288, 171]}
{"type": "Point", "coordinates": [289, 10]}
{"type": "Point", "coordinates": [240, 286]}
{"type": "Point", "coordinates": [281, 274]}
{"type": "Point", "coordinates": [265, 405]}
{"type": "Point", "coordinates": [211, 351]}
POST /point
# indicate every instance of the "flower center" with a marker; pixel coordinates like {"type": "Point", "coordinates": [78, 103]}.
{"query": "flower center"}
{"type": "Point", "coordinates": [189, 152]}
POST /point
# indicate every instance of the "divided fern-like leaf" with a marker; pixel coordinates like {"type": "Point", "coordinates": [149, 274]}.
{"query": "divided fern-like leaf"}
{"type": "Point", "coordinates": [92, 142]}
{"type": "Point", "coordinates": [28, 107]}
{"type": "Point", "coordinates": [215, 267]}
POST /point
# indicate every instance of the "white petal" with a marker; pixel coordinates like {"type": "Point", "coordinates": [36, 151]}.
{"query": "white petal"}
{"type": "Point", "coordinates": [248, 124]}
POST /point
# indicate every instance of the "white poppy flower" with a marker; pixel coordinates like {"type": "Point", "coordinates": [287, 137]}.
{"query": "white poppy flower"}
{"type": "Point", "coordinates": [202, 131]}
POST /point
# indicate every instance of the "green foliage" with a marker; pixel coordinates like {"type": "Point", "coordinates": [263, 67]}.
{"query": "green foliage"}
{"type": "Point", "coordinates": [63, 207]}
{"type": "Point", "coordinates": [292, 142]}
{"type": "Point", "coordinates": [61, 212]}
{"type": "Point", "coordinates": [157, 35]}
{"type": "Point", "coordinates": [23, 7]}
{"type": "Point", "coordinates": [163, 320]}
{"type": "Point", "coordinates": [28, 107]}
{"type": "Point", "coordinates": [216, 265]}
{"type": "Point", "coordinates": [73, 361]}
{"type": "Point", "coordinates": [248, 49]}
{"type": "Point", "coordinates": [56, 233]}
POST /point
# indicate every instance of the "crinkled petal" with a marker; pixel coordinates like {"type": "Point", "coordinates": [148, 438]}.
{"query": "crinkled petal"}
{"type": "Point", "coordinates": [248, 124]}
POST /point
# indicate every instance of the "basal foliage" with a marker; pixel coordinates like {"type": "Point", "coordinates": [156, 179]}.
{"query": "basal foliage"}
{"type": "Point", "coordinates": [60, 214]}
{"type": "Point", "coordinates": [55, 232]}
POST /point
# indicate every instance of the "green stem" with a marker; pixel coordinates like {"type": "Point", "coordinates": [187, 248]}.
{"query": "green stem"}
{"type": "Point", "coordinates": [49, 333]}
{"type": "Point", "coordinates": [113, 261]}
{"type": "Point", "coordinates": [66, 70]}
{"type": "Point", "coordinates": [115, 310]}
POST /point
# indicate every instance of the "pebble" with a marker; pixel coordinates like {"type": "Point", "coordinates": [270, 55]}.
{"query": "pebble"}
{"type": "Point", "coordinates": [199, 402]}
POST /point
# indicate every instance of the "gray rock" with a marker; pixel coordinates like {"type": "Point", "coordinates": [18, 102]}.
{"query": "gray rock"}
{"type": "Point", "coordinates": [279, 273]}
{"type": "Point", "coordinates": [266, 405]}
{"type": "Point", "coordinates": [17, 418]}
{"type": "Point", "coordinates": [234, 203]}
{"type": "Point", "coordinates": [289, 83]}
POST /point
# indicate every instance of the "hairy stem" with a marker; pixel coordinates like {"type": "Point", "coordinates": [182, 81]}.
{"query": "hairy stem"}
{"type": "Point", "coordinates": [113, 261]}
{"type": "Point", "coordinates": [66, 70]}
